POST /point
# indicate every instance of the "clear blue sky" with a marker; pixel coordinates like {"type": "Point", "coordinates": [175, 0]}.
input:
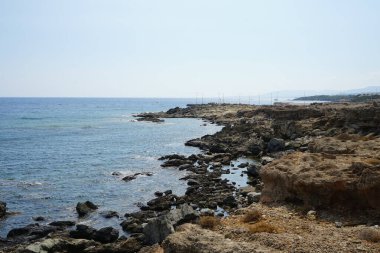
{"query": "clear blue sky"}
{"type": "Point", "coordinates": [179, 48]}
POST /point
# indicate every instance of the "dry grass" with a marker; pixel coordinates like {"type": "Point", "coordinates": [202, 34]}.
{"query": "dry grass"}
{"type": "Point", "coordinates": [209, 222]}
{"type": "Point", "coordinates": [372, 161]}
{"type": "Point", "coordinates": [263, 226]}
{"type": "Point", "coordinates": [370, 234]}
{"type": "Point", "coordinates": [252, 216]}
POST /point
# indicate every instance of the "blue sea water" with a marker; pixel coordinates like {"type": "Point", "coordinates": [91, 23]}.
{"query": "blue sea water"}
{"type": "Point", "coordinates": [55, 152]}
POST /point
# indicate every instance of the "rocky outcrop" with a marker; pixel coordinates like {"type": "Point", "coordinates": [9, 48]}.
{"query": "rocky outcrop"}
{"type": "Point", "coordinates": [323, 181]}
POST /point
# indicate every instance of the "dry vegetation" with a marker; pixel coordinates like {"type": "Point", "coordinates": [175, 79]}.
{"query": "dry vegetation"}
{"type": "Point", "coordinates": [252, 216]}
{"type": "Point", "coordinates": [370, 234]}
{"type": "Point", "coordinates": [209, 222]}
{"type": "Point", "coordinates": [263, 226]}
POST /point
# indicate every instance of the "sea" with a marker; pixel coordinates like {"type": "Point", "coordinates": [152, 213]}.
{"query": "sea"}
{"type": "Point", "coordinates": [56, 152]}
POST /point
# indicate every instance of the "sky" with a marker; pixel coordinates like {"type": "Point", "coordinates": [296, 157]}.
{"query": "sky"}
{"type": "Point", "coordinates": [173, 48]}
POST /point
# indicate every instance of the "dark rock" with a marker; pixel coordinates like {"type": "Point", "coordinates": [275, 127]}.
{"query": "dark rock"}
{"type": "Point", "coordinates": [174, 156]}
{"type": "Point", "coordinates": [158, 193]}
{"type": "Point", "coordinates": [106, 235]}
{"type": "Point", "coordinates": [174, 163]}
{"type": "Point", "coordinates": [134, 176]}
{"type": "Point", "coordinates": [84, 208]}
{"type": "Point", "coordinates": [253, 170]}
{"type": "Point", "coordinates": [253, 197]}
{"type": "Point", "coordinates": [109, 214]}
{"type": "Point", "coordinates": [243, 165]}
{"type": "Point", "coordinates": [116, 173]}
{"type": "Point", "coordinates": [3, 209]}
{"type": "Point", "coordinates": [168, 192]}
{"type": "Point", "coordinates": [185, 167]}
{"type": "Point", "coordinates": [276, 144]}
{"type": "Point", "coordinates": [38, 218]}
{"type": "Point", "coordinates": [230, 201]}
{"type": "Point", "coordinates": [83, 232]}
{"type": "Point", "coordinates": [30, 232]}
{"type": "Point", "coordinates": [62, 223]}
{"type": "Point", "coordinates": [132, 225]}
{"type": "Point", "coordinates": [159, 228]}
{"type": "Point", "coordinates": [192, 182]}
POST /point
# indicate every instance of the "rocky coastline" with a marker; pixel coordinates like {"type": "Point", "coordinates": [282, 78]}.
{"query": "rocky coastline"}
{"type": "Point", "coordinates": [314, 184]}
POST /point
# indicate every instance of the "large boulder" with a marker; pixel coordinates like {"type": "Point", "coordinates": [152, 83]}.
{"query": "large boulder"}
{"type": "Point", "coordinates": [84, 208]}
{"type": "Point", "coordinates": [106, 235]}
{"type": "Point", "coordinates": [159, 228]}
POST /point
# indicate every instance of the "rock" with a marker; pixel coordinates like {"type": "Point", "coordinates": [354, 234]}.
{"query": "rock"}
{"type": "Point", "coordinates": [38, 218]}
{"type": "Point", "coordinates": [243, 165]}
{"type": "Point", "coordinates": [266, 159]}
{"type": "Point", "coordinates": [168, 192]}
{"type": "Point", "coordinates": [191, 238]}
{"type": "Point", "coordinates": [253, 170]}
{"type": "Point", "coordinates": [159, 228]}
{"type": "Point", "coordinates": [207, 212]}
{"type": "Point", "coordinates": [174, 156]}
{"type": "Point", "coordinates": [175, 163]}
{"type": "Point", "coordinates": [253, 197]}
{"type": "Point", "coordinates": [106, 235]}
{"type": "Point", "coordinates": [59, 245]}
{"type": "Point", "coordinates": [230, 201]}
{"type": "Point", "coordinates": [84, 208]}
{"type": "Point", "coordinates": [192, 182]}
{"type": "Point", "coordinates": [158, 193]}
{"type": "Point", "coordinates": [83, 232]}
{"type": "Point", "coordinates": [132, 225]}
{"type": "Point", "coordinates": [30, 232]}
{"type": "Point", "coordinates": [311, 215]}
{"type": "Point", "coordinates": [3, 209]}
{"type": "Point", "coordinates": [275, 145]}
{"type": "Point", "coordinates": [323, 181]}
{"type": "Point", "coordinates": [338, 224]}
{"type": "Point", "coordinates": [134, 176]}
{"type": "Point", "coordinates": [185, 167]}
{"type": "Point", "coordinates": [109, 214]}
{"type": "Point", "coordinates": [62, 223]}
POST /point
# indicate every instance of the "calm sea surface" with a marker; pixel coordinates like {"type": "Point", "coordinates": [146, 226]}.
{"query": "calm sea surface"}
{"type": "Point", "coordinates": [55, 152]}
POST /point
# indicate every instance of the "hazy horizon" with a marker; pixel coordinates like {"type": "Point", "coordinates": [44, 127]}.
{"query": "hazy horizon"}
{"type": "Point", "coordinates": [173, 49]}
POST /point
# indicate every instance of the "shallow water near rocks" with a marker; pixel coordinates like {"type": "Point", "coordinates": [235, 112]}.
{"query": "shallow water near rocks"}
{"type": "Point", "coordinates": [55, 152]}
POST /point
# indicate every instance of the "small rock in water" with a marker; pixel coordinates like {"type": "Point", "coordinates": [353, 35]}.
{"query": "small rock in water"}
{"type": "Point", "coordinates": [62, 223]}
{"type": "Point", "coordinates": [84, 208]}
{"type": "Point", "coordinates": [109, 214]}
{"type": "Point", "coordinates": [243, 165]}
{"type": "Point", "coordinates": [158, 194]}
{"type": "Point", "coordinates": [38, 218]}
{"type": "Point", "coordinates": [168, 192]}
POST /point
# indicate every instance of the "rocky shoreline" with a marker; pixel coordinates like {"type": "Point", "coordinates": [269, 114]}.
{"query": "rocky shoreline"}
{"type": "Point", "coordinates": [315, 166]}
